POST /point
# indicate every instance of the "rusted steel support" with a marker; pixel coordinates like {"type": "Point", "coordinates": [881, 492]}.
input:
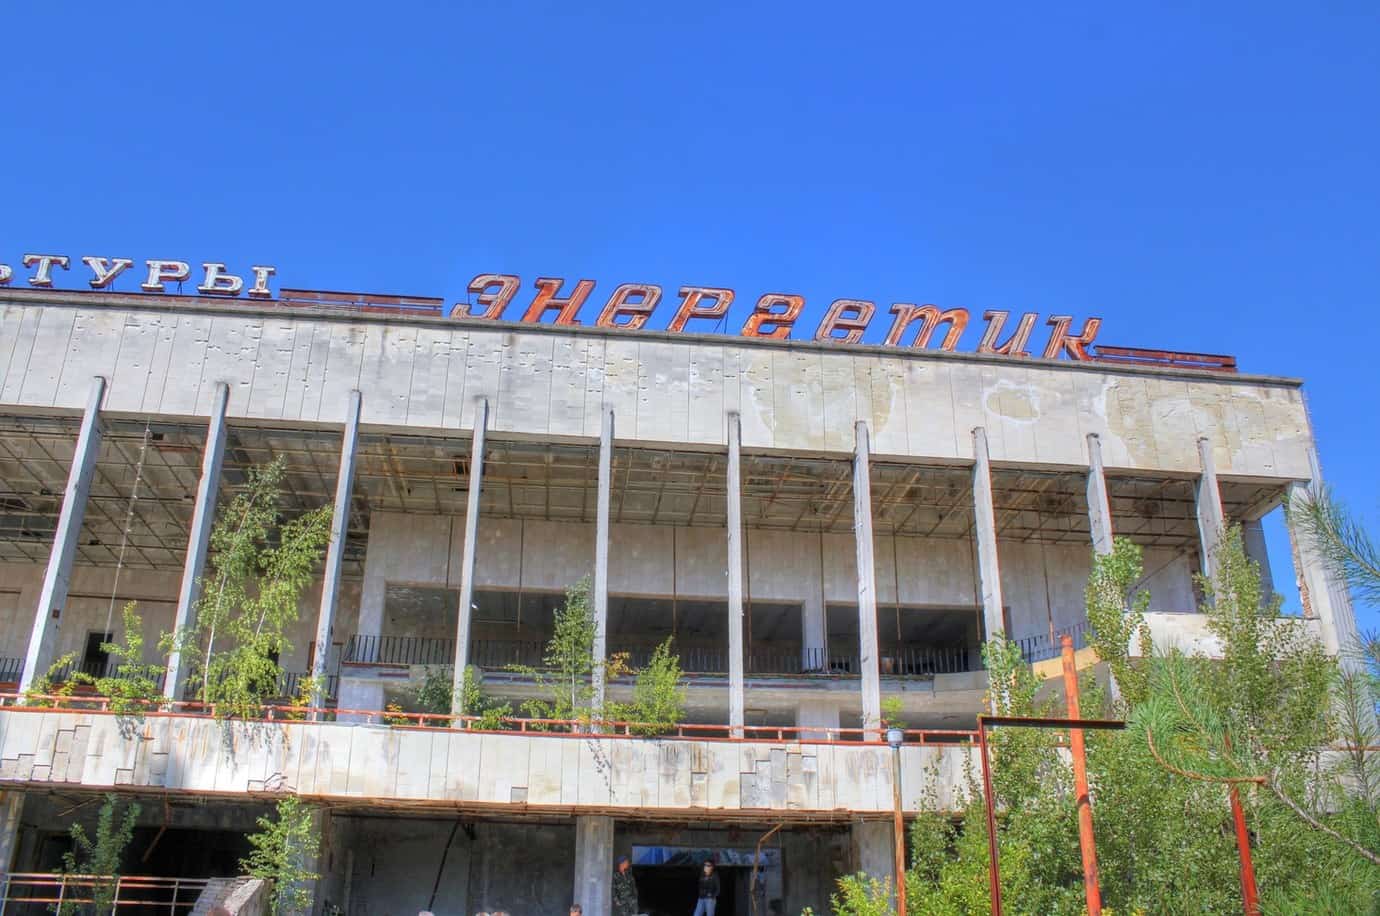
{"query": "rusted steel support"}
{"type": "Point", "coordinates": [1087, 846]}
{"type": "Point", "coordinates": [993, 855]}
{"type": "Point", "coordinates": [899, 829]}
{"type": "Point", "coordinates": [1249, 894]}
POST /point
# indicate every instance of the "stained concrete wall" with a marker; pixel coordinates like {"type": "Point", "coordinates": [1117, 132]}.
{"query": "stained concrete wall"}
{"type": "Point", "coordinates": [1042, 584]}
{"type": "Point", "coordinates": [299, 367]}
{"type": "Point", "coordinates": [336, 761]}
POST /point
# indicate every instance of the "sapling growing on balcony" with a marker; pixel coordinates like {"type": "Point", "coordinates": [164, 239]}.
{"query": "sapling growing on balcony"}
{"type": "Point", "coordinates": [260, 565]}
{"type": "Point", "coordinates": [99, 857]}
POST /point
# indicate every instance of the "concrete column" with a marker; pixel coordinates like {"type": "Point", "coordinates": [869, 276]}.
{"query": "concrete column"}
{"type": "Point", "coordinates": [1211, 520]}
{"type": "Point", "coordinates": [1253, 542]}
{"type": "Point", "coordinates": [58, 576]}
{"type": "Point", "coordinates": [199, 539]}
{"type": "Point", "coordinates": [594, 864]}
{"type": "Point", "coordinates": [600, 597]}
{"type": "Point", "coordinates": [335, 552]}
{"type": "Point", "coordinates": [985, 532]}
{"type": "Point", "coordinates": [11, 807]}
{"type": "Point", "coordinates": [735, 576]}
{"type": "Point", "coordinates": [1099, 505]}
{"type": "Point", "coordinates": [1324, 596]}
{"type": "Point", "coordinates": [873, 846]}
{"type": "Point", "coordinates": [867, 582]}
{"type": "Point", "coordinates": [462, 626]}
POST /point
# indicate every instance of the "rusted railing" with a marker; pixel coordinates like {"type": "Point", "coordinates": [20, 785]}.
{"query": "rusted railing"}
{"type": "Point", "coordinates": [40, 892]}
{"type": "Point", "coordinates": [579, 728]}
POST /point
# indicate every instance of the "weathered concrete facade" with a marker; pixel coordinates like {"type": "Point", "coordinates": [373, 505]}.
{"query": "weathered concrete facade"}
{"type": "Point", "coordinates": [986, 483]}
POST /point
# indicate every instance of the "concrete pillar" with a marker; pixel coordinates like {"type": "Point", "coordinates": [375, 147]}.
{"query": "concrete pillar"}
{"type": "Point", "coordinates": [600, 598]}
{"type": "Point", "coordinates": [868, 654]}
{"type": "Point", "coordinates": [335, 552]}
{"type": "Point", "coordinates": [817, 720]}
{"type": "Point", "coordinates": [1099, 504]}
{"type": "Point", "coordinates": [735, 577]}
{"type": "Point", "coordinates": [199, 539]}
{"type": "Point", "coordinates": [874, 847]}
{"type": "Point", "coordinates": [594, 864]}
{"type": "Point", "coordinates": [1253, 542]}
{"type": "Point", "coordinates": [1324, 596]}
{"type": "Point", "coordinates": [58, 575]}
{"type": "Point", "coordinates": [11, 807]}
{"type": "Point", "coordinates": [1212, 522]}
{"type": "Point", "coordinates": [462, 626]}
{"type": "Point", "coordinates": [985, 533]}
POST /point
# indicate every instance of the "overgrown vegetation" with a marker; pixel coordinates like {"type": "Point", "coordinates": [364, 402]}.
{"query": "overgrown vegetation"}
{"type": "Point", "coordinates": [260, 566]}
{"type": "Point", "coordinates": [100, 856]}
{"type": "Point", "coordinates": [658, 694]}
{"type": "Point", "coordinates": [283, 847]}
{"type": "Point", "coordinates": [1263, 711]}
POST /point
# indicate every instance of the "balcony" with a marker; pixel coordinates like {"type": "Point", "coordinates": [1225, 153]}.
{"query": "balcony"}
{"type": "Point", "coordinates": [788, 774]}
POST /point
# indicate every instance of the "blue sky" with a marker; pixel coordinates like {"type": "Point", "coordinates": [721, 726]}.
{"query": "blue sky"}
{"type": "Point", "coordinates": [1203, 176]}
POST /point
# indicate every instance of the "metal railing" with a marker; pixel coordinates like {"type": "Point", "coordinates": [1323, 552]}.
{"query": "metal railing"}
{"type": "Point", "coordinates": [11, 670]}
{"type": "Point", "coordinates": [503, 654]}
{"type": "Point", "coordinates": [400, 650]}
{"type": "Point", "coordinates": [14, 703]}
{"type": "Point", "coordinates": [39, 892]}
{"type": "Point", "coordinates": [1044, 646]}
{"type": "Point", "coordinates": [290, 684]}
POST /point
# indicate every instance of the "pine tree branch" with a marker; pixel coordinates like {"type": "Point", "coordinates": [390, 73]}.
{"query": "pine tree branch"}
{"type": "Point", "coordinates": [1318, 825]}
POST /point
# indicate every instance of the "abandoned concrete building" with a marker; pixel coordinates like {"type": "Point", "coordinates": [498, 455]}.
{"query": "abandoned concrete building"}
{"type": "Point", "coordinates": [822, 527]}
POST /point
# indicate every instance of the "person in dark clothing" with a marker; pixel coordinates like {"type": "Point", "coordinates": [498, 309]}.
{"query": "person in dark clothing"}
{"type": "Point", "coordinates": [624, 889]}
{"type": "Point", "coordinates": [709, 890]}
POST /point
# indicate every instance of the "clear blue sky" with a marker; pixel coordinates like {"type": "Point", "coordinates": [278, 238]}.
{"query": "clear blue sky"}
{"type": "Point", "coordinates": [1206, 177]}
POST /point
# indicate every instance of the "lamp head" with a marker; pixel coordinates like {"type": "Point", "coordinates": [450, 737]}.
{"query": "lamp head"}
{"type": "Point", "coordinates": [895, 737]}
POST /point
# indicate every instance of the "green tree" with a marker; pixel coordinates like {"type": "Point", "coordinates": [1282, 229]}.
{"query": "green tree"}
{"type": "Point", "coordinates": [1164, 836]}
{"type": "Point", "coordinates": [567, 675]}
{"type": "Point", "coordinates": [260, 566]}
{"type": "Point", "coordinates": [658, 693]}
{"type": "Point", "coordinates": [100, 857]}
{"type": "Point", "coordinates": [132, 685]}
{"type": "Point", "coordinates": [282, 849]}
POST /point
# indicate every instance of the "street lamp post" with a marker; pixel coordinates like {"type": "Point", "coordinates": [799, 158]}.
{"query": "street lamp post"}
{"type": "Point", "coordinates": [895, 737]}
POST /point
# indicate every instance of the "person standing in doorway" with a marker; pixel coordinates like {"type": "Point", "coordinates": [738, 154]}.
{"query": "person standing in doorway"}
{"type": "Point", "coordinates": [709, 890]}
{"type": "Point", "coordinates": [624, 889]}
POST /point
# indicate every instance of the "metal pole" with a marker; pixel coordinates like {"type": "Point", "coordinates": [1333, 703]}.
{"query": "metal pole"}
{"type": "Point", "coordinates": [994, 873]}
{"type": "Point", "coordinates": [1250, 896]}
{"type": "Point", "coordinates": [1086, 844]}
{"type": "Point", "coordinates": [898, 828]}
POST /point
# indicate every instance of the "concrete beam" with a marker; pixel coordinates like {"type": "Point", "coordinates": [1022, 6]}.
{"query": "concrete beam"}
{"type": "Point", "coordinates": [53, 596]}
{"type": "Point", "coordinates": [1212, 523]}
{"type": "Point", "coordinates": [985, 532]}
{"type": "Point", "coordinates": [600, 597]}
{"type": "Point", "coordinates": [868, 653]}
{"type": "Point", "coordinates": [199, 539]}
{"type": "Point", "coordinates": [736, 701]}
{"type": "Point", "coordinates": [462, 626]}
{"type": "Point", "coordinates": [874, 847]}
{"type": "Point", "coordinates": [335, 552]}
{"type": "Point", "coordinates": [594, 864]}
{"type": "Point", "coordinates": [1099, 504]}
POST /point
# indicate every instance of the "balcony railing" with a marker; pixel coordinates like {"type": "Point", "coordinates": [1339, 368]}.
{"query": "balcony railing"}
{"type": "Point", "coordinates": [503, 654]}
{"type": "Point", "coordinates": [1044, 646]}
